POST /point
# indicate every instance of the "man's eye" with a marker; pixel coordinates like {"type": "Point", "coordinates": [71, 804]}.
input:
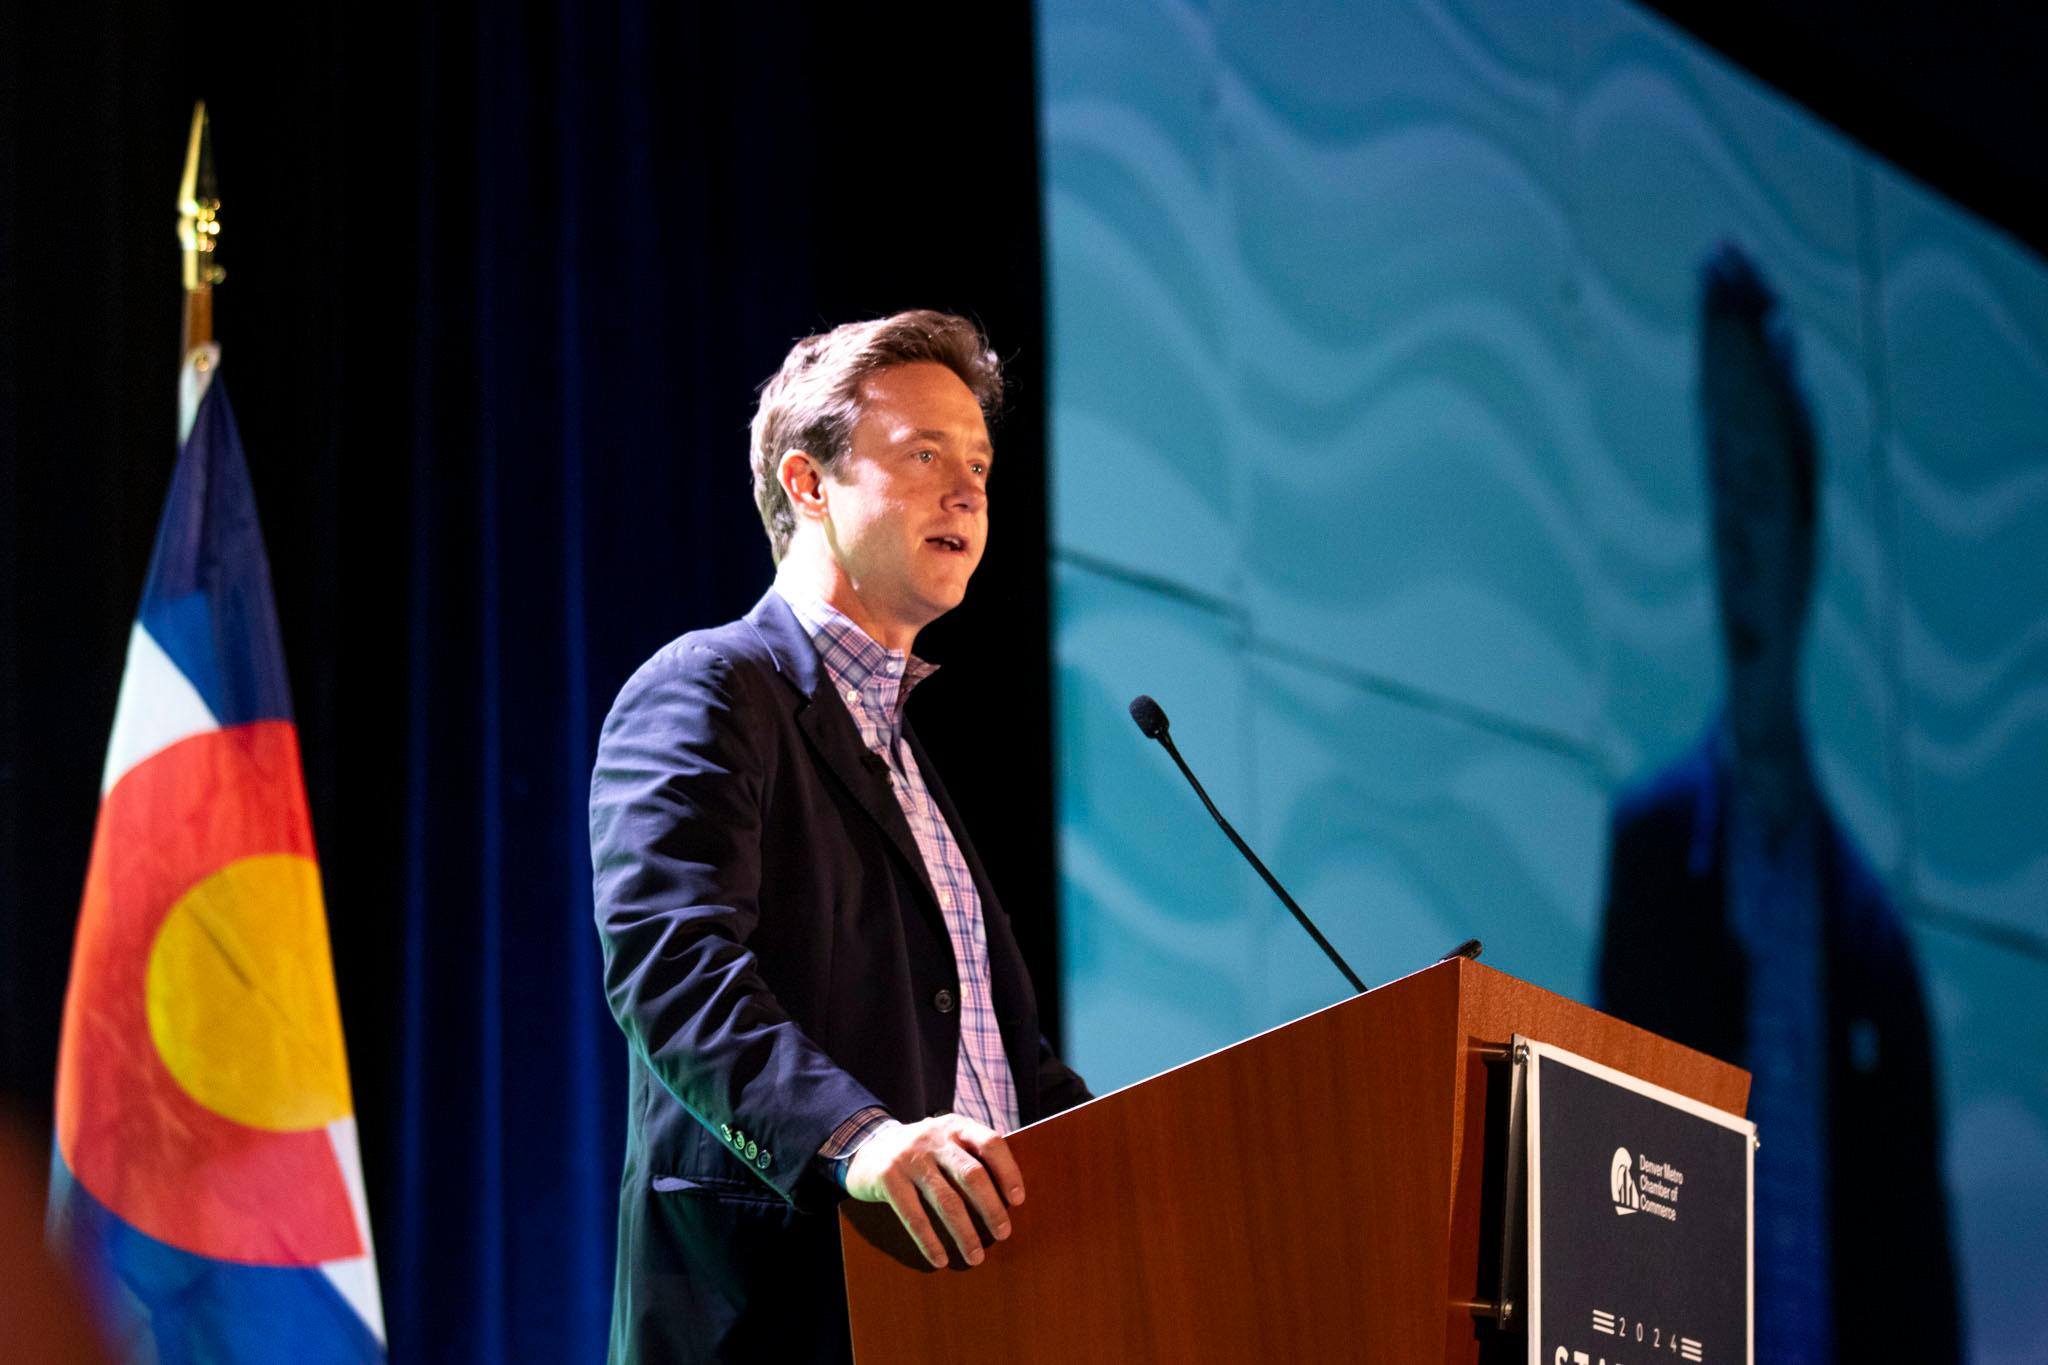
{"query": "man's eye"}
{"type": "Point", "coordinates": [980, 469]}
{"type": "Point", "coordinates": [925, 457]}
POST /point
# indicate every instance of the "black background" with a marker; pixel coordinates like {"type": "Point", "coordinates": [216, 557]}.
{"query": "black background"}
{"type": "Point", "coordinates": [501, 284]}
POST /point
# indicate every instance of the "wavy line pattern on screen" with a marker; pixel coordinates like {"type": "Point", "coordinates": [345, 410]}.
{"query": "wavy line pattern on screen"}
{"type": "Point", "coordinates": [1375, 458]}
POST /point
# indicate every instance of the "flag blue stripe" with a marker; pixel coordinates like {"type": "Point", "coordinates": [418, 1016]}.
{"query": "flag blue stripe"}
{"type": "Point", "coordinates": [200, 1311]}
{"type": "Point", "coordinates": [208, 602]}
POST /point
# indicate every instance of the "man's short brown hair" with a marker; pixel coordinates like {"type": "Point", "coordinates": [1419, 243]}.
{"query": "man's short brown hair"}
{"type": "Point", "coordinates": [813, 401]}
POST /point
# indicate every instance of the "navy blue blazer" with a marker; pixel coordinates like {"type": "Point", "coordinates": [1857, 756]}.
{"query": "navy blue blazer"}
{"type": "Point", "coordinates": [1671, 963]}
{"type": "Point", "coordinates": [777, 960]}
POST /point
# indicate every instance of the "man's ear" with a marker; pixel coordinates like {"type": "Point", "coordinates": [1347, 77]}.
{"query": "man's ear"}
{"type": "Point", "coordinates": [803, 483]}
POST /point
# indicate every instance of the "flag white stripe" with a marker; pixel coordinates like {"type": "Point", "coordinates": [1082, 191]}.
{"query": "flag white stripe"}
{"type": "Point", "coordinates": [356, 1278]}
{"type": "Point", "coordinates": [158, 707]}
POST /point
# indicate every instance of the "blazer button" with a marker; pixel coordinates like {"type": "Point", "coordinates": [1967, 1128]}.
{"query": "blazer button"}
{"type": "Point", "coordinates": [942, 1000]}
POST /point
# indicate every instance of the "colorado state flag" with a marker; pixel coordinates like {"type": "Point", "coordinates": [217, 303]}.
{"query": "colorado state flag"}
{"type": "Point", "coordinates": [206, 1177]}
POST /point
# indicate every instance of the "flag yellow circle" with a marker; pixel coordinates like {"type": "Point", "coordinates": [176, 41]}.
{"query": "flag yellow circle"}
{"type": "Point", "coordinates": [241, 996]}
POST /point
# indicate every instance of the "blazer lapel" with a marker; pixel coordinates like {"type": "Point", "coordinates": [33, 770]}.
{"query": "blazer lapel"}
{"type": "Point", "coordinates": [832, 735]}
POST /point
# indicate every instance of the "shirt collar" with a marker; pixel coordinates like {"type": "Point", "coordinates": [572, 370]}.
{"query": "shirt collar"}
{"type": "Point", "coordinates": [851, 656]}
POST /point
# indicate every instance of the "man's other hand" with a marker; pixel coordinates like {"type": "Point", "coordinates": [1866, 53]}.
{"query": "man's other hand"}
{"type": "Point", "coordinates": [949, 1166]}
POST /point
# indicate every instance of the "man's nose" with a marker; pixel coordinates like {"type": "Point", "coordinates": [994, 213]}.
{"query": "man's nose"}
{"type": "Point", "coordinates": [966, 491]}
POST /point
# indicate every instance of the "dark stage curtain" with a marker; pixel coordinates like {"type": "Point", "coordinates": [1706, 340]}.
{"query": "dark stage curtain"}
{"type": "Point", "coordinates": [502, 281]}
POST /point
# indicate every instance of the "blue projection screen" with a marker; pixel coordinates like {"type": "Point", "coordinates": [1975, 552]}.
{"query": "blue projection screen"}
{"type": "Point", "coordinates": [1379, 458]}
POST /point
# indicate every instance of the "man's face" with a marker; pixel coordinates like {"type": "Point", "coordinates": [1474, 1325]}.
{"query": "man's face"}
{"type": "Point", "coordinates": [907, 505]}
{"type": "Point", "coordinates": [1763, 550]}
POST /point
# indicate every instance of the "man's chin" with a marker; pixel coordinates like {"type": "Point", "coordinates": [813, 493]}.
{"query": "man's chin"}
{"type": "Point", "coordinates": [938, 599]}
{"type": "Point", "coordinates": [941, 603]}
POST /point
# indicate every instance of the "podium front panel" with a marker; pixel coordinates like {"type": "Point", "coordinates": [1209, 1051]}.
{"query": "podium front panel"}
{"type": "Point", "coordinates": [1640, 1228]}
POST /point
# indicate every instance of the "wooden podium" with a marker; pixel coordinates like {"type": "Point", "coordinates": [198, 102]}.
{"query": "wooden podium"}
{"type": "Point", "coordinates": [1314, 1193]}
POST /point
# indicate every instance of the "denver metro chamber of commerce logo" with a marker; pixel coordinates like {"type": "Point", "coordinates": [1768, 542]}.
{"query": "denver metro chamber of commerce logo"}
{"type": "Point", "coordinates": [1642, 1184]}
{"type": "Point", "coordinates": [1621, 1182]}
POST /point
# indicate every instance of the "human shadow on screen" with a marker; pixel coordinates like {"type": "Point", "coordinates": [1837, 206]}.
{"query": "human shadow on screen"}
{"type": "Point", "coordinates": [1740, 919]}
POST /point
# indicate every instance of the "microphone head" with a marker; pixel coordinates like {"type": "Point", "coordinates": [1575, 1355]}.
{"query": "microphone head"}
{"type": "Point", "coordinates": [1151, 719]}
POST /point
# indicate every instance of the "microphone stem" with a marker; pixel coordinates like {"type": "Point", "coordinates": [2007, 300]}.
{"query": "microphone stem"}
{"type": "Point", "coordinates": [1253, 858]}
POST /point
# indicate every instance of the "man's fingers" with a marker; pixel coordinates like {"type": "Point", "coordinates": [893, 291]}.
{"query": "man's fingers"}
{"type": "Point", "coordinates": [995, 1154]}
{"type": "Point", "coordinates": [936, 1183]}
{"type": "Point", "coordinates": [973, 1181]}
{"type": "Point", "coordinates": [940, 1177]}
{"type": "Point", "coordinates": [902, 1193]}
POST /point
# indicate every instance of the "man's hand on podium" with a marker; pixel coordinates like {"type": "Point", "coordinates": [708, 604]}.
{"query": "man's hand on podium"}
{"type": "Point", "coordinates": [949, 1166]}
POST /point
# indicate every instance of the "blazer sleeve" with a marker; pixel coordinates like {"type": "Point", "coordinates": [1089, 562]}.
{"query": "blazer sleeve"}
{"type": "Point", "coordinates": [676, 829]}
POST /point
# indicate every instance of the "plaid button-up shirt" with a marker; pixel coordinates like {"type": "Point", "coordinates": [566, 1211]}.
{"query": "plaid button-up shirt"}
{"type": "Point", "coordinates": [874, 682]}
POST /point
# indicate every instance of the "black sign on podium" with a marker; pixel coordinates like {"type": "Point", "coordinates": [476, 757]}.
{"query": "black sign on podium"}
{"type": "Point", "coordinates": [1639, 1229]}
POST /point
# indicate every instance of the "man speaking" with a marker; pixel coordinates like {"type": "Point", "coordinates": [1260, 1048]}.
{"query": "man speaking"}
{"type": "Point", "coordinates": [819, 991]}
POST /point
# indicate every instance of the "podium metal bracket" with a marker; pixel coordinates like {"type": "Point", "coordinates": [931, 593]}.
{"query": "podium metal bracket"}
{"type": "Point", "coordinates": [1514, 1213]}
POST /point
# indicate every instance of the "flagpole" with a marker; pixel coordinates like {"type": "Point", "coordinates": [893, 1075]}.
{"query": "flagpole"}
{"type": "Point", "coordinates": [207, 1176]}
{"type": "Point", "coordinates": [198, 234]}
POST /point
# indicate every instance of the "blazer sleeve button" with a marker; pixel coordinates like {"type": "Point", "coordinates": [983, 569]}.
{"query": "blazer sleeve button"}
{"type": "Point", "coordinates": [942, 1000]}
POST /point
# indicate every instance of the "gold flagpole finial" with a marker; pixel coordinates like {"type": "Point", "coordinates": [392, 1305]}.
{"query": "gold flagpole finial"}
{"type": "Point", "coordinates": [199, 231]}
{"type": "Point", "coordinates": [199, 205]}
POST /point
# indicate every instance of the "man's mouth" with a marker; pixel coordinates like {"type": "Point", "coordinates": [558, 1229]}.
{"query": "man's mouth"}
{"type": "Point", "coordinates": [951, 544]}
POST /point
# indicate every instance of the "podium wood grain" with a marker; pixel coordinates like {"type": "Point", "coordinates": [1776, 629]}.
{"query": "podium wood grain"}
{"type": "Point", "coordinates": [1312, 1193]}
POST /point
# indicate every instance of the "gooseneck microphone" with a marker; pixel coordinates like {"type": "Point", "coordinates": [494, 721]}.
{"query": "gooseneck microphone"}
{"type": "Point", "coordinates": [1152, 721]}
